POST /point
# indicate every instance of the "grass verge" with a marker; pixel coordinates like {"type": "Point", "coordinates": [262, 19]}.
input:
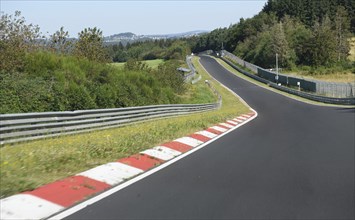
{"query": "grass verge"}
{"type": "Point", "coordinates": [151, 63]}
{"type": "Point", "coordinates": [339, 77]}
{"type": "Point", "coordinates": [26, 166]}
{"type": "Point", "coordinates": [237, 73]}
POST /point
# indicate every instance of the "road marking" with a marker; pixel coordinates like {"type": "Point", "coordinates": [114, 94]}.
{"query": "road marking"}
{"type": "Point", "coordinates": [219, 128]}
{"type": "Point", "coordinates": [141, 161]}
{"type": "Point", "coordinates": [207, 134]}
{"type": "Point", "coordinates": [232, 122]}
{"type": "Point", "coordinates": [200, 137]}
{"type": "Point", "coordinates": [189, 141]}
{"type": "Point", "coordinates": [158, 154]}
{"type": "Point", "coordinates": [24, 206]}
{"type": "Point", "coordinates": [177, 146]}
{"type": "Point", "coordinates": [214, 131]}
{"type": "Point", "coordinates": [111, 173]}
{"type": "Point", "coordinates": [238, 120]}
{"type": "Point", "coordinates": [242, 118]}
{"type": "Point", "coordinates": [68, 191]}
{"type": "Point", "coordinates": [167, 150]}
{"type": "Point", "coordinates": [226, 125]}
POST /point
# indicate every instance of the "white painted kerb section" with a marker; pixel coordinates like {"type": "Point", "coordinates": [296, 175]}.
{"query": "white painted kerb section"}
{"type": "Point", "coordinates": [189, 141]}
{"type": "Point", "coordinates": [227, 125]}
{"type": "Point", "coordinates": [111, 173]}
{"type": "Point", "coordinates": [159, 154]}
{"type": "Point", "coordinates": [219, 129]}
{"type": "Point", "coordinates": [25, 206]}
{"type": "Point", "coordinates": [207, 134]}
{"type": "Point", "coordinates": [232, 122]}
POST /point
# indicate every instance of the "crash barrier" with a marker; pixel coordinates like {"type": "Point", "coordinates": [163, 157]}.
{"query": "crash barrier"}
{"type": "Point", "coordinates": [322, 88]}
{"type": "Point", "coordinates": [31, 126]}
{"type": "Point", "coordinates": [191, 76]}
{"type": "Point", "coordinates": [314, 97]}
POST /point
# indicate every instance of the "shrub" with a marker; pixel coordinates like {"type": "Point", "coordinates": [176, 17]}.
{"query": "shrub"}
{"type": "Point", "coordinates": [52, 82]}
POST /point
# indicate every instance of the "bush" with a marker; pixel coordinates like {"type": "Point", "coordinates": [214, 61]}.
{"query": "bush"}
{"type": "Point", "coordinates": [52, 82]}
{"type": "Point", "coordinates": [21, 93]}
{"type": "Point", "coordinates": [79, 98]}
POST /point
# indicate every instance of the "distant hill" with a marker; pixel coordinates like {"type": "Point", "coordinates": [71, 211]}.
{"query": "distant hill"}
{"type": "Point", "coordinates": [129, 37]}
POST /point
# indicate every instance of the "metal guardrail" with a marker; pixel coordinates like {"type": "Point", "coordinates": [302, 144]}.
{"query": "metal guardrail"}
{"type": "Point", "coordinates": [31, 126]}
{"type": "Point", "coordinates": [196, 80]}
{"type": "Point", "coordinates": [328, 100]}
{"type": "Point", "coordinates": [190, 76]}
{"type": "Point", "coordinates": [321, 88]}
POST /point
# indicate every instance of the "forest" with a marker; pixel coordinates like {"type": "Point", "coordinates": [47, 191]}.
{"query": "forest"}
{"type": "Point", "coordinates": [302, 32]}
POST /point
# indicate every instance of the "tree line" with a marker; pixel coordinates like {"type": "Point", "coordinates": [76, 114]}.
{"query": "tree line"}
{"type": "Point", "coordinates": [167, 49]}
{"type": "Point", "coordinates": [302, 32]}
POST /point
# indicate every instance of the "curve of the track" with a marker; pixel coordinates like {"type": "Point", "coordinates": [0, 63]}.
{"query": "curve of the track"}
{"type": "Point", "coordinates": [294, 161]}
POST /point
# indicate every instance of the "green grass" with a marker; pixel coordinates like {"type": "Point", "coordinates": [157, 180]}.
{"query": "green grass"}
{"type": "Point", "coordinates": [26, 166]}
{"type": "Point", "coordinates": [346, 77]}
{"type": "Point", "coordinates": [333, 74]}
{"type": "Point", "coordinates": [154, 63]}
{"type": "Point", "coordinates": [198, 93]}
{"type": "Point", "coordinates": [328, 75]}
{"type": "Point", "coordinates": [151, 63]}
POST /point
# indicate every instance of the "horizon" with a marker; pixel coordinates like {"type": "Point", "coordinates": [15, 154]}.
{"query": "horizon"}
{"type": "Point", "coordinates": [138, 17]}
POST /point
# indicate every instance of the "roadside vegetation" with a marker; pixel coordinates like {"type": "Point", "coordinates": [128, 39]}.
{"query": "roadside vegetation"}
{"type": "Point", "coordinates": [352, 50]}
{"type": "Point", "coordinates": [310, 37]}
{"type": "Point", "coordinates": [26, 166]}
{"type": "Point", "coordinates": [150, 63]}
{"type": "Point", "coordinates": [327, 75]}
{"type": "Point", "coordinates": [51, 82]}
{"type": "Point", "coordinates": [151, 50]}
{"type": "Point", "coordinates": [60, 74]}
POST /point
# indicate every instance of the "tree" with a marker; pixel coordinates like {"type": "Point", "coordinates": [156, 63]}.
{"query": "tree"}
{"type": "Point", "coordinates": [59, 41]}
{"type": "Point", "coordinates": [324, 44]}
{"type": "Point", "coordinates": [90, 45]}
{"type": "Point", "coordinates": [16, 38]}
{"type": "Point", "coordinates": [297, 36]}
{"type": "Point", "coordinates": [281, 46]}
{"type": "Point", "coordinates": [342, 27]}
{"type": "Point", "coordinates": [310, 11]}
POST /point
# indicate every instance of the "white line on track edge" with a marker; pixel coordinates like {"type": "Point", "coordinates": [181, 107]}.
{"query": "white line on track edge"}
{"type": "Point", "coordinates": [121, 186]}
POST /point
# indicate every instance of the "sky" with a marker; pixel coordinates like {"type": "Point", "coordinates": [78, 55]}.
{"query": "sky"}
{"type": "Point", "coordinates": [139, 17]}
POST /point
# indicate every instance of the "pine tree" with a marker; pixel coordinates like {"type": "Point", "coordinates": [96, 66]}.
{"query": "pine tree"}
{"type": "Point", "coordinates": [280, 44]}
{"type": "Point", "coordinates": [342, 26]}
{"type": "Point", "coordinates": [324, 44]}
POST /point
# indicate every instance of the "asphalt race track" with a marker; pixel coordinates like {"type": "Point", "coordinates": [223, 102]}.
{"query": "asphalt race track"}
{"type": "Point", "coordinates": [294, 161]}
